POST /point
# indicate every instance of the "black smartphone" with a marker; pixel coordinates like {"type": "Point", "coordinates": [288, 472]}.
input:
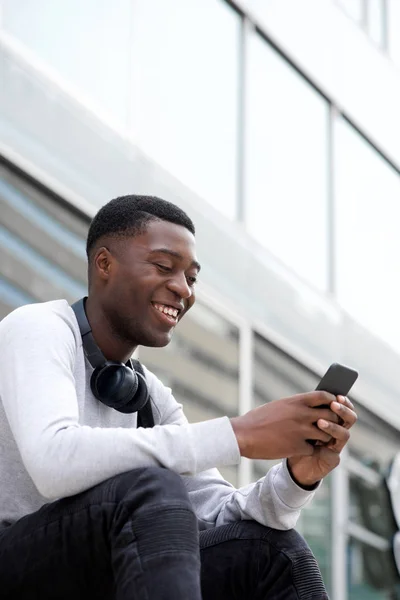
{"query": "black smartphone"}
{"type": "Point", "coordinates": [338, 380]}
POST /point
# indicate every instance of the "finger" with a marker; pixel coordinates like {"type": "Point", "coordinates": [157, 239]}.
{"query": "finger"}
{"type": "Point", "coordinates": [317, 434]}
{"type": "Point", "coordinates": [305, 449]}
{"type": "Point", "coordinates": [347, 415]}
{"type": "Point", "coordinates": [344, 400]}
{"type": "Point", "coordinates": [319, 398]}
{"type": "Point", "coordinates": [324, 413]}
{"type": "Point", "coordinates": [339, 434]}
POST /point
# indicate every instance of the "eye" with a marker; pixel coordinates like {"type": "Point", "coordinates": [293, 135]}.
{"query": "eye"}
{"type": "Point", "coordinates": [191, 280]}
{"type": "Point", "coordinates": [164, 268]}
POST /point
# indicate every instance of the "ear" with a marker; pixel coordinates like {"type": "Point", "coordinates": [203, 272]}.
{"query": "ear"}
{"type": "Point", "coordinates": [102, 263]}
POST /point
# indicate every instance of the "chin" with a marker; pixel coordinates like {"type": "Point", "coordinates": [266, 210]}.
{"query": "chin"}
{"type": "Point", "coordinates": [157, 341]}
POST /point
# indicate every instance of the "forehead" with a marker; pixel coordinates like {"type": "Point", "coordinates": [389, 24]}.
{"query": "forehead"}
{"type": "Point", "coordinates": [162, 234]}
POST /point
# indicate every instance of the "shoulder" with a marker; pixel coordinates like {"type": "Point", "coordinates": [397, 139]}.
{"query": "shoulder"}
{"type": "Point", "coordinates": [169, 410]}
{"type": "Point", "coordinates": [42, 319]}
{"type": "Point", "coordinates": [160, 394]}
{"type": "Point", "coordinates": [154, 384]}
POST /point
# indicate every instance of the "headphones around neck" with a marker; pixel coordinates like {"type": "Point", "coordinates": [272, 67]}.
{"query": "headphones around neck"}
{"type": "Point", "coordinates": [115, 384]}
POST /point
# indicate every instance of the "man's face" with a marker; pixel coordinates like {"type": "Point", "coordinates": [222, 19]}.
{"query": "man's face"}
{"type": "Point", "coordinates": [149, 284]}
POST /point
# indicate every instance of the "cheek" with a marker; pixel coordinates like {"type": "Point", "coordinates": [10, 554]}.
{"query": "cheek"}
{"type": "Point", "coordinates": [191, 300]}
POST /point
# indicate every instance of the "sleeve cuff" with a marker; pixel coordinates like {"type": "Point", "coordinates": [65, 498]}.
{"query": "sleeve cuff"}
{"type": "Point", "coordinates": [288, 491]}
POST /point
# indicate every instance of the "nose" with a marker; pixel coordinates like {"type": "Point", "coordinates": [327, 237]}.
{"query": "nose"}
{"type": "Point", "coordinates": [179, 286]}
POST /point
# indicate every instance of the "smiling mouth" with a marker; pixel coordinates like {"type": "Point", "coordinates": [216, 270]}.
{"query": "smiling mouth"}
{"type": "Point", "coordinates": [168, 314]}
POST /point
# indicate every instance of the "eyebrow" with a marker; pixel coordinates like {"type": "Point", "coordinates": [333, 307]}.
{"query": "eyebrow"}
{"type": "Point", "coordinates": [176, 255]}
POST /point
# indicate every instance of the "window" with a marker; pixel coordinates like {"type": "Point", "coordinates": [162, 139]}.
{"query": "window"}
{"type": "Point", "coordinates": [185, 93]}
{"type": "Point", "coordinates": [287, 163]}
{"type": "Point", "coordinates": [276, 375]}
{"type": "Point", "coordinates": [371, 572]}
{"type": "Point", "coordinates": [42, 246]}
{"type": "Point", "coordinates": [377, 22]}
{"type": "Point", "coordinates": [393, 24]}
{"type": "Point", "coordinates": [364, 571]}
{"type": "Point", "coordinates": [11, 297]}
{"type": "Point", "coordinates": [367, 244]}
{"type": "Point", "coordinates": [353, 8]}
{"type": "Point", "coordinates": [86, 43]}
{"type": "Point", "coordinates": [201, 366]}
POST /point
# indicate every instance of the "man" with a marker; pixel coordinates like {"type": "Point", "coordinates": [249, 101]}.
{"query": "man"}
{"type": "Point", "coordinates": [125, 504]}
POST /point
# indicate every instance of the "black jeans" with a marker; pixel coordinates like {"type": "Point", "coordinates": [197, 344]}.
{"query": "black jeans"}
{"type": "Point", "coordinates": [135, 537]}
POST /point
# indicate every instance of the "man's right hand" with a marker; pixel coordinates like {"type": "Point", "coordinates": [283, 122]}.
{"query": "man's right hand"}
{"type": "Point", "coordinates": [280, 428]}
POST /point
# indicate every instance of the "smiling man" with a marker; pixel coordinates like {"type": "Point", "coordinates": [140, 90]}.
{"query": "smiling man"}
{"type": "Point", "coordinates": [95, 502]}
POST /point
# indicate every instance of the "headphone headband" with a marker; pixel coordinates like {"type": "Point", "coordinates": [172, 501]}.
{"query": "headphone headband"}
{"type": "Point", "coordinates": [117, 385]}
{"type": "Point", "coordinates": [90, 348]}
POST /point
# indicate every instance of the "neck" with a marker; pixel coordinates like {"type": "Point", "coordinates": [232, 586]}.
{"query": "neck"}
{"type": "Point", "coordinates": [112, 346]}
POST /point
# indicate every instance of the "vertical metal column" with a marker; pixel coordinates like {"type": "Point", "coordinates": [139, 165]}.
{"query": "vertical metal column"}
{"type": "Point", "coordinates": [340, 517]}
{"type": "Point", "coordinates": [242, 107]}
{"type": "Point", "coordinates": [331, 217]}
{"type": "Point", "coordinates": [245, 390]}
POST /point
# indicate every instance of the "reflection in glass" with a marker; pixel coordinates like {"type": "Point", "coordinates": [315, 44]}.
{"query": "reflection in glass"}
{"type": "Point", "coordinates": [11, 297]}
{"type": "Point", "coordinates": [353, 8]}
{"type": "Point", "coordinates": [87, 43]}
{"type": "Point", "coordinates": [376, 22]}
{"type": "Point", "coordinates": [286, 163]}
{"type": "Point", "coordinates": [42, 246]}
{"type": "Point", "coordinates": [367, 234]}
{"type": "Point", "coordinates": [185, 93]}
{"type": "Point", "coordinates": [365, 575]}
{"type": "Point", "coordinates": [276, 375]}
{"type": "Point", "coordinates": [201, 367]}
{"type": "Point", "coordinates": [393, 24]}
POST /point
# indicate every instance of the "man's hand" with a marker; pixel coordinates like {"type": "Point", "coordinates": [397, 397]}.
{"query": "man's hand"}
{"type": "Point", "coordinates": [309, 469]}
{"type": "Point", "coordinates": [280, 429]}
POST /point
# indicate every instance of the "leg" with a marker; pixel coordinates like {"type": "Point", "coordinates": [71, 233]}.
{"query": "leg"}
{"type": "Point", "coordinates": [134, 536]}
{"type": "Point", "coordinates": [245, 560]}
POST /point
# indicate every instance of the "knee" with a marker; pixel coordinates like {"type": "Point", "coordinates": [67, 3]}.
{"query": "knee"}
{"type": "Point", "coordinates": [288, 541]}
{"type": "Point", "coordinates": [305, 572]}
{"type": "Point", "coordinates": [150, 486]}
{"type": "Point", "coordinates": [154, 504]}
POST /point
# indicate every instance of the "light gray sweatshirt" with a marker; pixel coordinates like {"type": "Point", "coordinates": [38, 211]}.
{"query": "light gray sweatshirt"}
{"type": "Point", "coordinates": [57, 440]}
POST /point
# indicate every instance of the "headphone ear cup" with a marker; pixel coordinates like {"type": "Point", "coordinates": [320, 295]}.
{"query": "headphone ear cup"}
{"type": "Point", "coordinates": [114, 384]}
{"type": "Point", "coordinates": [119, 387]}
{"type": "Point", "coordinates": [140, 399]}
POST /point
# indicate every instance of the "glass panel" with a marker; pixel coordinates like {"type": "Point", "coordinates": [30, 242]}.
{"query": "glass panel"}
{"type": "Point", "coordinates": [287, 163]}
{"type": "Point", "coordinates": [370, 506]}
{"type": "Point", "coordinates": [353, 8]}
{"type": "Point", "coordinates": [276, 375]}
{"type": "Point", "coordinates": [376, 22]}
{"type": "Point", "coordinates": [393, 20]}
{"type": "Point", "coordinates": [366, 575]}
{"type": "Point", "coordinates": [201, 367]}
{"type": "Point", "coordinates": [373, 443]}
{"type": "Point", "coordinates": [367, 234]}
{"type": "Point", "coordinates": [185, 101]}
{"type": "Point", "coordinates": [12, 296]}
{"type": "Point", "coordinates": [87, 43]}
{"type": "Point", "coordinates": [42, 259]}
{"type": "Point", "coordinates": [38, 216]}
{"type": "Point", "coordinates": [22, 252]}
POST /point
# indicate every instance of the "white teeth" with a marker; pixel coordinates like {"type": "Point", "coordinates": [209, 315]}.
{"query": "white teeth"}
{"type": "Point", "coordinates": [172, 312]}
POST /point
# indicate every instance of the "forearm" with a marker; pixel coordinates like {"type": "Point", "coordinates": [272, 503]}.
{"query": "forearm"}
{"type": "Point", "coordinates": [274, 501]}
{"type": "Point", "coordinates": [76, 458]}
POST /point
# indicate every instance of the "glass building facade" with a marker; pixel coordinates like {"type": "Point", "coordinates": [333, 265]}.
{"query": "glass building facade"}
{"type": "Point", "coordinates": [292, 180]}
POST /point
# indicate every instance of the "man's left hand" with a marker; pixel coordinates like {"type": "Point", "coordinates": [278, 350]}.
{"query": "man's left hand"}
{"type": "Point", "coordinates": [307, 471]}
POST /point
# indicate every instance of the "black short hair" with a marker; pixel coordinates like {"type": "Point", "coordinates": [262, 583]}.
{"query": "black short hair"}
{"type": "Point", "coordinates": [128, 216]}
